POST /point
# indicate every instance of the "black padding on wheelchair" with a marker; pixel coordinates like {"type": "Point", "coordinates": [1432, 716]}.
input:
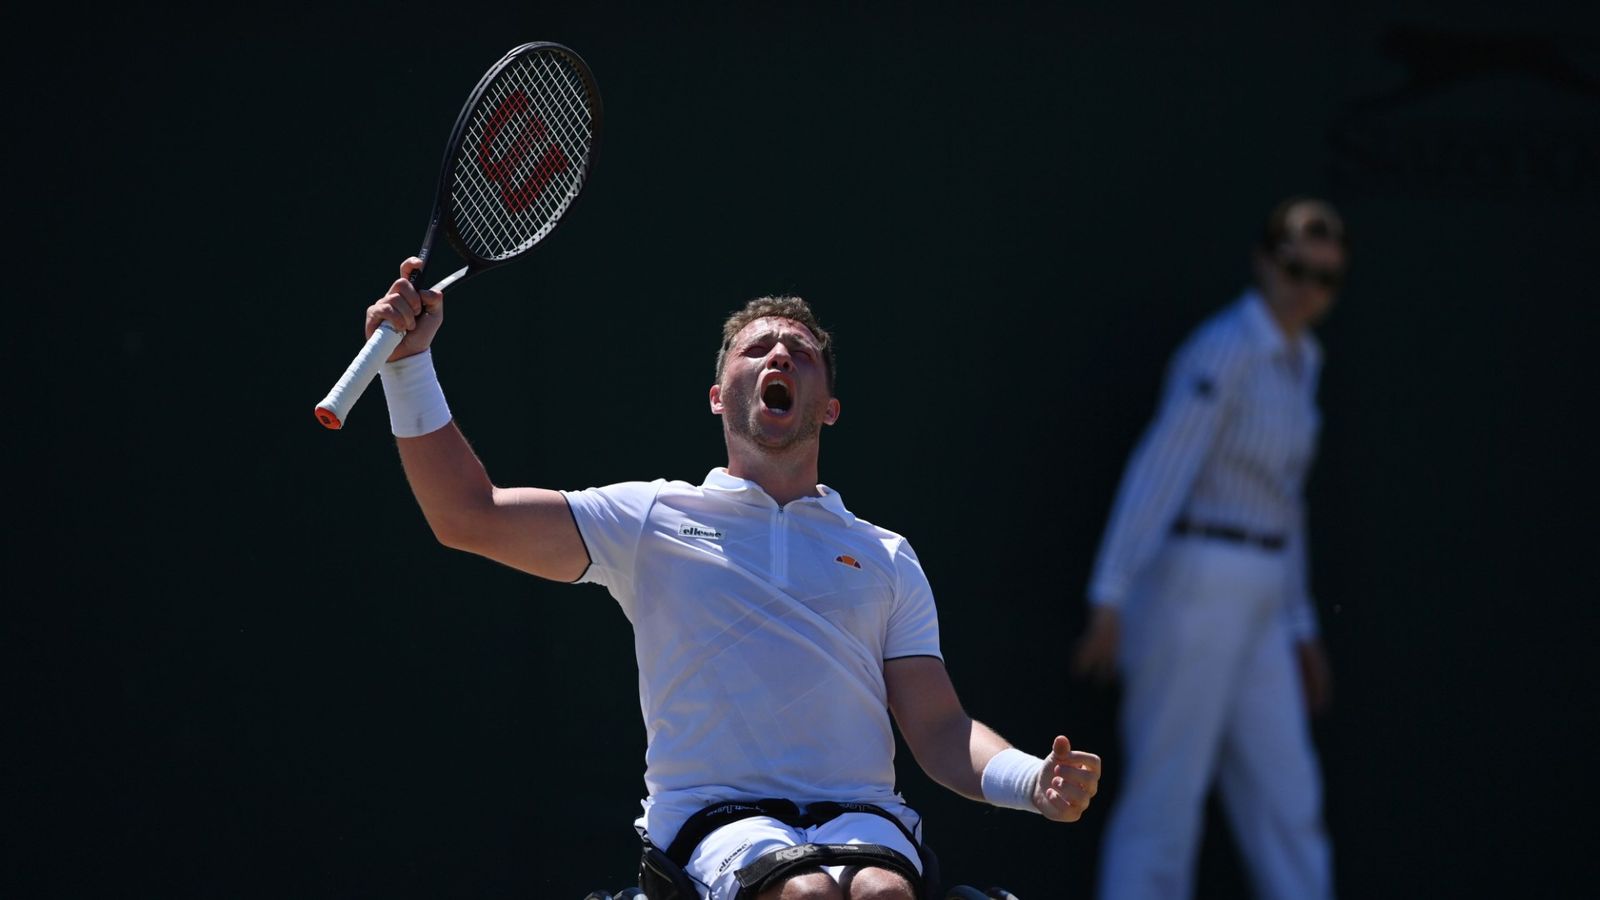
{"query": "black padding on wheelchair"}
{"type": "Point", "coordinates": [662, 879]}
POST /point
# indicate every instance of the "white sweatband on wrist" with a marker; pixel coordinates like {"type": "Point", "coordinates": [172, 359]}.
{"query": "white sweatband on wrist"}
{"type": "Point", "coordinates": [1010, 777]}
{"type": "Point", "coordinates": [416, 401]}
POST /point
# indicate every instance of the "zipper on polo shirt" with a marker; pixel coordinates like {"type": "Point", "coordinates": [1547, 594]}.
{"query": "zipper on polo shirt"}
{"type": "Point", "coordinates": [780, 547]}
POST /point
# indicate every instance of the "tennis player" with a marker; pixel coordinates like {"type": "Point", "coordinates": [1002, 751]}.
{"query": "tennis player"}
{"type": "Point", "coordinates": [775, 631]}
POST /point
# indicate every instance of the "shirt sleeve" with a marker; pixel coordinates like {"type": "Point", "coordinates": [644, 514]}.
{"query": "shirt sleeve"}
{"type": "Point", "coordinates": [1201, 378]}
{"type": "Point", "coordinates": [1300, 611]}
{"type": "Point", "coordinates": [611, 521]}
{"type": "Point", "coordinates": [913, 620]}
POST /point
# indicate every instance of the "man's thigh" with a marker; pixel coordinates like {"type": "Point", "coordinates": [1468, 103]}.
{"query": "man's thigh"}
{"type": "Point", "coordinates": [864, 828]}
{"type": "Point", "coordinates": [736, 845]}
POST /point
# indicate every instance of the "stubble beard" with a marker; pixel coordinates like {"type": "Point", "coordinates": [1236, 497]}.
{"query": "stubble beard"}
{"type": "Point", "coordinates": [744, 418]}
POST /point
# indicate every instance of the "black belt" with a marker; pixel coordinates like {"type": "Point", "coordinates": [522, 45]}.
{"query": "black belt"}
{"type": "Point", "coordinates": [1230, 533]}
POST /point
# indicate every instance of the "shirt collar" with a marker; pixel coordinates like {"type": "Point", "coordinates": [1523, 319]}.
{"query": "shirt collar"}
{"type": "Point", "coordinates": [746, 491]}
{"type": "Point", "coordinates": [1267, 334]}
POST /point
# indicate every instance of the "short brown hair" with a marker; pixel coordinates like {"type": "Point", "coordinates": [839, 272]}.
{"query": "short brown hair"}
{"type": "Point", "coordinates": [1303, 217]}
{"type": "Point", "coordinates": [780, 307]}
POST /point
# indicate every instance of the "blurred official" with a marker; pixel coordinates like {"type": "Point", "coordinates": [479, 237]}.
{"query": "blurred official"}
{"type": "Point", "coordinates": [1199, 593]}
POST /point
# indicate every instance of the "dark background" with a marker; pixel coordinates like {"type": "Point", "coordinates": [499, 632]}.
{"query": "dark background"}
{"type": "Point", "coordinates": [243, 669]}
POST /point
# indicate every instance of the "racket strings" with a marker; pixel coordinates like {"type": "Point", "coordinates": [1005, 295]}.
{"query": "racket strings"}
{"type": "Point", "coordinates": [523, 156]}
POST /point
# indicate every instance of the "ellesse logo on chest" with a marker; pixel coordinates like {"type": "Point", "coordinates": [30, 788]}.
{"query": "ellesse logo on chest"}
{"type": "Point", "coordinates": [690, 529]}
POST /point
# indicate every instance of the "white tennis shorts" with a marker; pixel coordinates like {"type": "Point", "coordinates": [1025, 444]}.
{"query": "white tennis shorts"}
{"type": "Point", "coordinates": [735, 845]}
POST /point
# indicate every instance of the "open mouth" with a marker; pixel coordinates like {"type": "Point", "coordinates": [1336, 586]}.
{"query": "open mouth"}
{"type": "Point", "coordinates": [776, 397]}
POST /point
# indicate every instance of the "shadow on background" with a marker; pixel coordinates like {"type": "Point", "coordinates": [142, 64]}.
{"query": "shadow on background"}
{"type": "Point", "coordinates": [243, 669]}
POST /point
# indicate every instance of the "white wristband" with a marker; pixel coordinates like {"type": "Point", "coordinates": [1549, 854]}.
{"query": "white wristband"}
{"type": "Point", "coordinates": [416, 401]}
{"type": "Point", "coordinates": [1010, 777]}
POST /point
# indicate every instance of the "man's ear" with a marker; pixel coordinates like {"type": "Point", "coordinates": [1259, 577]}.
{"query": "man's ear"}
{"type": "Point", "coordinates": [831, 414]}
{"type": "Point", "coordinates": [716, 399]}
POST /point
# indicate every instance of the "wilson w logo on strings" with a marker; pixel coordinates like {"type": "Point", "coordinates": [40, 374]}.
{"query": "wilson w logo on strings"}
{"type": "Point", "coordinates": [515, 127]}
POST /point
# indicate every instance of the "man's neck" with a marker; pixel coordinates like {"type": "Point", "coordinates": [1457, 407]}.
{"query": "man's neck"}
{"type": "Point", "coordinates": [1289, 324]}
{"type": "Point", "coordinates": [784, 477]}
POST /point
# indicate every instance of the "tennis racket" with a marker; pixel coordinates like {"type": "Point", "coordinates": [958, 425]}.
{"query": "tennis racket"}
{"type": "Point", "coordinates": [520, 152]}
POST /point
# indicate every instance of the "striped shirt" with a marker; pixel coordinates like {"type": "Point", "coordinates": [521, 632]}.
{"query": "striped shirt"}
{"type": "Point", "coordinates": [1230, 445]}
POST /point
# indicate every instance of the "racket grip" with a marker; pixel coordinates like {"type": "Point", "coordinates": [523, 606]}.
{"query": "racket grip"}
{"type": "Point", "coordinates": [335, 408]}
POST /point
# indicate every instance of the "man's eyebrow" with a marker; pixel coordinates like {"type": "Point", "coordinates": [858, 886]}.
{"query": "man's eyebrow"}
{"type": "Point", "coordinates": [787, 335]}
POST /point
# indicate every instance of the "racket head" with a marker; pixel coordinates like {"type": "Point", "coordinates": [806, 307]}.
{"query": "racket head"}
{"type": "Point", "coordinates": [521, 150]}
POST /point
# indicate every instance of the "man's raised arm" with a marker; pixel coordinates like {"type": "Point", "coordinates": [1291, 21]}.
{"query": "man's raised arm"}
{"type": "Point", "coordinates": [530, 529]}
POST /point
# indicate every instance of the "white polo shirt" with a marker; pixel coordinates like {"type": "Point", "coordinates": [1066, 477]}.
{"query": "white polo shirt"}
{"type": "Point", "coordinates": [761, 632]}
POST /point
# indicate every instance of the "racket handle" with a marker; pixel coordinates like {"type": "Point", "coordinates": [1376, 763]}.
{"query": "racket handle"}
{"type": "Point", "coordinates": [335, 407]}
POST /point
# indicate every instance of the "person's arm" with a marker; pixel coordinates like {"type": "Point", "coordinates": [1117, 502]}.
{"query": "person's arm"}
{"type": "Point", "coordinates": [1154, 486]}
{"type": "Point", "coordinates": [1316, 673]}
{"type": "Point", "coordinates": [967, 756]}
{"type": "Point", "coordinates": [1300, 612]}
{"type": "Point", "coordinates": [530, 529]}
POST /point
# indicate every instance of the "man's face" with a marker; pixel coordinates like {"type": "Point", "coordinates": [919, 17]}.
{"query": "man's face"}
{"type": "Point", "coordinates": [774, 388]}
{"type": "Point", "coordinates": [1303, 278]}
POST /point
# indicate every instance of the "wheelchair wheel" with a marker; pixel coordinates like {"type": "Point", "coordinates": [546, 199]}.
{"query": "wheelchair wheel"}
{"type": "Point", "coordinates": [598, 895]}
{"type": "Point", "coordinates": [631, 894]}
{"type": "Point", "coordinates": [964, 892]}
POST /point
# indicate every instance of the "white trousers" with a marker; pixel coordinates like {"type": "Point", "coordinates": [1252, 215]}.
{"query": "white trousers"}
{"type": "Point", "coordinates": [1212, 694]}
